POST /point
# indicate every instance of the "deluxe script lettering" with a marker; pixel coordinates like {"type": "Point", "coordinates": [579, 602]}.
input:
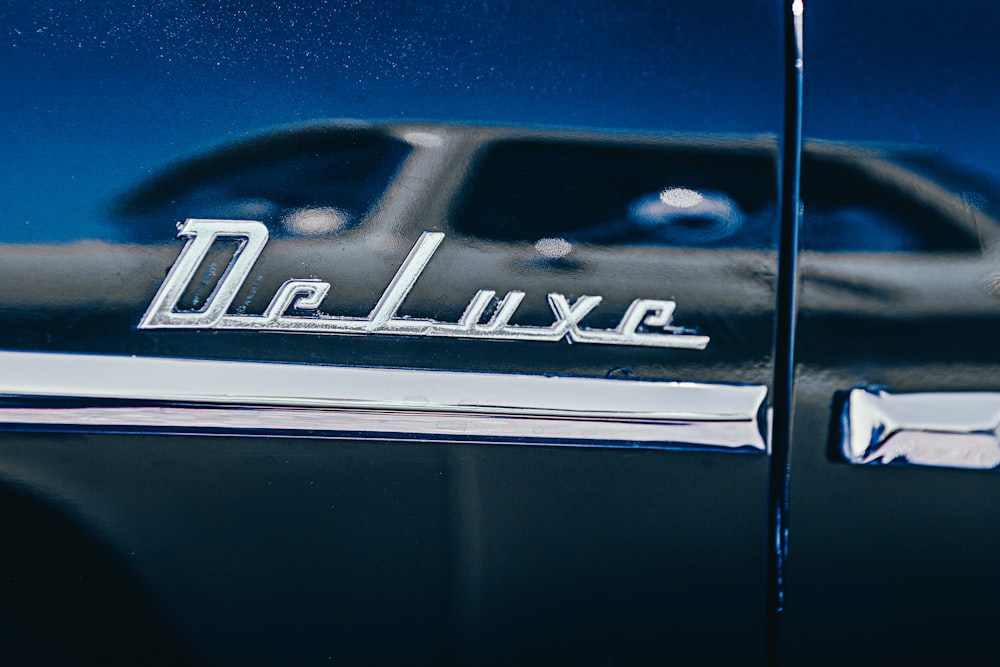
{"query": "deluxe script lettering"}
{"type": "Point", "coordinates": [646, 322]}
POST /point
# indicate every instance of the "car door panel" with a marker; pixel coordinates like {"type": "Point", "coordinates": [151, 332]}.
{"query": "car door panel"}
{"type": "Point", "coordinates": [894, 349]}
{"type": "Point", "coordinates": [432, 493]}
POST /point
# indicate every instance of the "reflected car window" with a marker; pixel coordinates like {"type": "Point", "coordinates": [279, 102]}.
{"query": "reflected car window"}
{"type": "Point", "coordinates": [717, 194]}
{"type": "Point", "coordinates": [712, 195]}
{"type": "Point", "coordinates": [862, 206]}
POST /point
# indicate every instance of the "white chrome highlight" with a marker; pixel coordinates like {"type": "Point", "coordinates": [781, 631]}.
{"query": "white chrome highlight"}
{"type": "Point", "coordinates": [184, 394]}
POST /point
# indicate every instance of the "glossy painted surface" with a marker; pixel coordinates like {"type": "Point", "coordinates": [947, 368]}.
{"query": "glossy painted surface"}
{"type": "Point", "coordinates": [896, 564]}
{"type": "Point", "coordinates": [165, 533]}
{"type": "Point", "coordinates": [108, 96]}
{"type": "Point", "coordinates": [268, 548]}
{"type": "Point", "coordinates": [726, 294]}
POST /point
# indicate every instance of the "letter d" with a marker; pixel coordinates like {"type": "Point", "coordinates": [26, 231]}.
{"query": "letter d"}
{"type": "Point", "coordinates": [201, 234]}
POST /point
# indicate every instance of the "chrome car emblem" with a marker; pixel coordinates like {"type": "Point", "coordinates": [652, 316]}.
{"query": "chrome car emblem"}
{"type": "Point", "coordinates": [382, 320]}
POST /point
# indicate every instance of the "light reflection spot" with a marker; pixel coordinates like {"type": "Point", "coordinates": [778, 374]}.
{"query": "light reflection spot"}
{"type": "Point", "coordinates": [424, 139]}
{"type": "Point", "coordinates": [316, 220]}
{"type": "Point", "coordinates": [680, 197]}
{"type": "Point", "coordinates": [553, 248]}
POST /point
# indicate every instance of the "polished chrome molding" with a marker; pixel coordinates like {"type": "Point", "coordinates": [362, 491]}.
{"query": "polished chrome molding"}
{"type": "Point", "coordinates": [91, 392]}
{"type": "Point", "coordinates": [945, 430]}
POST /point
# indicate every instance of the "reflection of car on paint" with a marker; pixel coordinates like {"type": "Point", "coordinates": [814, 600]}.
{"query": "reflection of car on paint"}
{"type": "Point", "coordinates": [519, 185]}
{"type": "Point", "coordinates": [544, 206]}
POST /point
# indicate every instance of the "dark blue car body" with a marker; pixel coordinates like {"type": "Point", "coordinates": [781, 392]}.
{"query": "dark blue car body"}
{"type": "Point", "coordinates": [212, 522]}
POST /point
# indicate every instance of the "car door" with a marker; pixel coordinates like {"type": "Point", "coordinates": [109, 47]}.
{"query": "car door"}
{"type": "Point", "coordinates": [447, 383]}
{"type": "Point", "coordinates": [893, 508]}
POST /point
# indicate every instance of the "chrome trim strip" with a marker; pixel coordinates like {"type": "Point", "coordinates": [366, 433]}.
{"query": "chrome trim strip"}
{"type": "Point", "coordinates": [184, 394]}
{"type": "Point", "coordinates": [945, 430]}
{"type": "Point", "coordinates": [392, 424]}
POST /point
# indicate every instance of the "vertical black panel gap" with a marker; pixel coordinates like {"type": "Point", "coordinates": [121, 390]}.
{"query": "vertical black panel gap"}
{"type": "Point", "coordinates": [784, 338]}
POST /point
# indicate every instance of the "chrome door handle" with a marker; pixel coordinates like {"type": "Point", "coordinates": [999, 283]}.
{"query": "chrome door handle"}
{"type": "Point", "coordinates": [947, 430]}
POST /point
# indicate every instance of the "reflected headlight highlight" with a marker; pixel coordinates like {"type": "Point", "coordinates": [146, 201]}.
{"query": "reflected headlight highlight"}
{"type": "Point", "coordinates": [316, 221]}
{"type": "Point", "coordinates": [685, 215]}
